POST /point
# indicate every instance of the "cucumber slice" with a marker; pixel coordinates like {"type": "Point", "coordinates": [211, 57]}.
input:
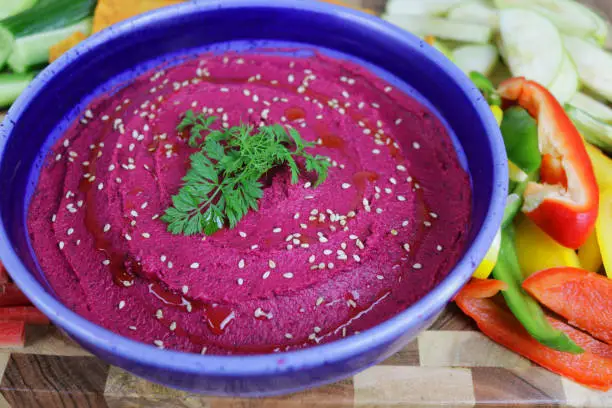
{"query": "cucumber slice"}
{"type": "Point", "coordinates": [12, 85]}
{"type": "Point", "coordinates": [440, 28]}
{"type": "Point", "coordinates": [475, 11]}
{"type": "Point", "coordinates": [532, 45]}
{"type": "Point", "coordinates": [570, 17]}
{"type": "Point", "coordinates": [479, 58]}
{"type": "Point", "coordinates": [45, 15]}
{"type": "Point", "coordinates": [594, 131]}
{"type": "Point", "coordinates": [593, 107]}
{"type": "Point", "coordinates": [12, 7]}
{"type": "Point", "coordinates": [33, 50]}
{"type": "Point", "coordinates": [594, 65]}
{"type": "Point", "coordinates": [429, 7]}
{"type": "Point", "coordinates": [566, 83]}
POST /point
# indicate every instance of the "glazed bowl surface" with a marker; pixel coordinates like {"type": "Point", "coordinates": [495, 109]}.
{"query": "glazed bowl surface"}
{"type": "Point", "coordinates": [123, 51]}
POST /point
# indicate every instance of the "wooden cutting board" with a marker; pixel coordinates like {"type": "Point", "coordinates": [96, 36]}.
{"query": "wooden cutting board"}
{"type": "Point", "coordinates": [451, 364]}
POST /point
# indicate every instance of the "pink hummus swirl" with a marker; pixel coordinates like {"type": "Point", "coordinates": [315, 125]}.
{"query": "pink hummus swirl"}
{"type": "Point", "coordinates": [311, 266]}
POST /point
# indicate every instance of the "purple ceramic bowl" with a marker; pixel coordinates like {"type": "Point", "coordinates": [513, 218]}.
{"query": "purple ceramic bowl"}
{"type": "Point", "coordinates": [58, 92]}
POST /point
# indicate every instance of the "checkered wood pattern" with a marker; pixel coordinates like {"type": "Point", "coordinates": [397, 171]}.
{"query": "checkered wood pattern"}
{"type": "Point", "coordinates": [451, 364]}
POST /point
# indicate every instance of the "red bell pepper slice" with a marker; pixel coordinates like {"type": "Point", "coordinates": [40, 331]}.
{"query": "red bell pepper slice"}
{"type": "Point", "coordinates": [565, 201]}
{"type": "Point", "coordinates": [584, 298]}
{"type": "Point", "coordinates": [27, 314]}
{"type": "Point", "coordinates": [592, 368]}
{"type": "Point", "coordinates": [10, 295]}
{"type": "Point", "coordinates": [4, 277]}
{"type": "Point", "coordinates": [12, 334]}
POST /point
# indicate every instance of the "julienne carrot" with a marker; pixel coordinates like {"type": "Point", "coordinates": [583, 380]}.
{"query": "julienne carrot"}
{"type": "Point", "coordinates": [12, 334]}
{"type": "Point", "coordinates": [592, 368]}
{"type": "Point", "coordinates": [584, 298]}
{"type": "Point", "coordinates": [10, 295]}
{"type": "Point", "coordinates": [26, 314]}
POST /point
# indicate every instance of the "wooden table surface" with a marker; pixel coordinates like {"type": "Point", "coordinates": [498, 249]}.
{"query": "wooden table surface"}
{"type": "Point", "coordinates": [451, 364]}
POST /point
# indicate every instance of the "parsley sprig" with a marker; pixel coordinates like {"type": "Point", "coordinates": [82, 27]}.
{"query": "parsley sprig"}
{"type": "Point", "coordinates": [222, 183]}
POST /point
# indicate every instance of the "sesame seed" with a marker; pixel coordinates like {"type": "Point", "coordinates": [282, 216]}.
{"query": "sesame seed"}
{"type": "Point", "coordinates": [170, 264]}
{"type": "Point", "coordinates": [388, 89]}
{"type": "Point", "coordinates": [406, 247]}
{"type": "Point", "coordinates": [405, 223]}
{"type": "Point", "coordinates": [288, 336]}
{"type": "Point", "coordinates": [357, 258]}
{"type": "Point", "coordinates": [346, 185]}
{"type": "Point", "coordinates": [203, 350]}
{"type": "Point", "coordinates": [146, 235]}
{"type": "Point", "coordinates": [307, 184]}
{"type": "Point", "coordinates": [320, 301]}
{"type": "Point", "coordinates": [128, 237]}
{"type": "Point", "coordinates": [159, 343]}
{"type": "Point", "coordinates": [380, 277]}
{"type": "Point", "coordinates": [277, 230]}
{"type": "Point", "coordinates": [394, 232]}
{"type": "Point", "coordinates": [271, 264]}
{"type": "Point", "coordinates": [53, 217]}
{"type": "Point", "coordinates": [351, 303]}
{"type": "Point", "coordinates": [328, 252]}
{"type": "Point", "coordinates": [172, 326]}
{"type": "Point", "coordinates": [375, 151]}
{"type": "Point", "coordinates": [106, 262]}
{"type": "Point", "coordinates": [288, 275]}
{"type": "Point", "coordinates": [439, 248]}
{"type": "Point", "coordinates": [330, 265]}
{"type": "Point", "coordinates": [401, 198]}
{"type": "Point", "coordinates": [311, 259]}
{"type": "Point", "coordinates": [121, 304]}
{"type": "Point", "coordinates": [61, 245]}
{"type": "Point", "coordinates": [379, 211]}
{"type": "Point", "coordinates": [392, 180]}
{"type": "Point", "coordinates": [433, 215]}
{"type": "Point", "coordinates": [401, 167]}
{"type": "Point", "coordinates": [159, 314]}
{"type": "Point", "coordinates": [417, 266]}
{"type": "Point", "coordinates": [240, 281]}
{"type": "Point", "coordinates": [416, 145]}
{"type": "Point", "coordinates": [70, 231]}
{"type": "Point", "coordinates": [163, 258]}
{"type": "Point", "coordinates": [427, 223]}
{"type": "Point", "coordinates": [359, 244]}
{"type": "Point", "coordinates": [194, 265]}
{"type": "Point", "coordinates": [241, 264]}
{"type": "Point", "coordinates": [266, 275]}
{"type": "Point", "coordinates": [255, 246]}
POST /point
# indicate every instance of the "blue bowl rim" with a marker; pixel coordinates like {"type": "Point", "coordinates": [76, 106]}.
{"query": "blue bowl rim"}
{"type": "Point", "coordinates": [250, 365]}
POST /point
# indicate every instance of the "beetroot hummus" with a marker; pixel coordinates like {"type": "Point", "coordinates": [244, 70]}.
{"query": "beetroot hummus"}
{"type": "Point", "coordinates": [310, 266]}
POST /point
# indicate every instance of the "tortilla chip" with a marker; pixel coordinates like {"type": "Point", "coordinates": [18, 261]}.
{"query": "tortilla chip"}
{"type": "Point", "coordinates": [109, 12]}
{"type": "Point", "coordinates": [61, 47]}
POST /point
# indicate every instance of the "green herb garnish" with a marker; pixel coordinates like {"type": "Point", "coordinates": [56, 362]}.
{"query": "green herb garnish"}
{"type": "Point", "coordinates": [223, 181]}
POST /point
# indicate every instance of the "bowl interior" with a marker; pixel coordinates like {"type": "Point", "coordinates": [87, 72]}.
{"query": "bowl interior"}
{"type": "Point", "coordinates": [60, 91]}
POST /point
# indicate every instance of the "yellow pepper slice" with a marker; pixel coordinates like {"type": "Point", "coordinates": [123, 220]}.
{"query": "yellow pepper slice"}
{"type": "Point", "coordinates": [602, 165]}
{"type": "Point", "coordinates": [498, 113]}
{"type": "Point", "coordinates": [589, 254]}
{"type": "Point", "coordinates": [604, 227]}
{"type": "Point", "coordinates": [536, 250]}
{"type": "Point", "coordinates": [488, 263]}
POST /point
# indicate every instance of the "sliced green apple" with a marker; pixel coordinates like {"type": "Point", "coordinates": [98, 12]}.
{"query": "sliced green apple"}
{"type": "Point", "coordinates": [566, 83]}
{"type": "Point", "coordinates": [532, 45]}
{"type": "Point", "coordinates": [594, 65]}
{"type": "Point", "coordinates": [441, 28]}
{"type": "Point", "coordinates": [428, 7]}
{"type": "Point", "coordinates": [479, 58]}
{"type": "Point", "coordinates": [475, 11]}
